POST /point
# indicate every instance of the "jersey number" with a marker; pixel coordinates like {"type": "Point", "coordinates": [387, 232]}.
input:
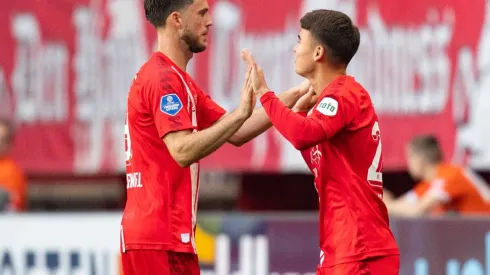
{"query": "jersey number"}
{"type": "Point", "coordinates": [127, 141]}
{"type": "Point", "coordinates": [374, 172]}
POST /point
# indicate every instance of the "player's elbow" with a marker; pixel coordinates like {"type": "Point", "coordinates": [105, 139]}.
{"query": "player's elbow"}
{"type": "Point", "coordinates": [179, 147]}
{"type": "Point", "coordinates": [181, 157]}
{"type": "Point", "coordinates": [183, 162]}
{"type": "Point", "coordinates": [236, 144]}
{"type": "Point", "coordinates": [238, 140]}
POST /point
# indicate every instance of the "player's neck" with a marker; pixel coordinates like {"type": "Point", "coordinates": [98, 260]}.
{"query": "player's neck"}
{"type": "Point", "coordinates": [323, 76]}
{"type": "Point", "coordinates": [430, 173]}
{"type": "Point", "coordinates": [175, 49]}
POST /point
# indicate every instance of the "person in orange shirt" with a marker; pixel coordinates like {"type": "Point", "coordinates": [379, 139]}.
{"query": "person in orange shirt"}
{"type": "Point", "coordinates": [12, 178]}
{"type": "Point", "coordinates": [443, 188]}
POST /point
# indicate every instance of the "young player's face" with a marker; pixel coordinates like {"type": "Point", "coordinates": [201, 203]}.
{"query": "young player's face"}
{"type": "Point", "coordinates": [304, 53]}
{"type": "Point", "coordinates": [197, 22]}
{"type": "Point", "coordinates": [415, 163]}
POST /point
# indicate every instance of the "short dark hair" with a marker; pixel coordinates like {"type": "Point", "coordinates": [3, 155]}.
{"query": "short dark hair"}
{"type": "Point", "coordinates": [428, 146]}
{"type": "Point", "coordinates": [157, 11]}
{"type": "Point", "coordinates": [335, 31]}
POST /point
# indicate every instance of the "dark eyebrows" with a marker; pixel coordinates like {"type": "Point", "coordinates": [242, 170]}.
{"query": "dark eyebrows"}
{"type": "Point", "coordinates": [204, 11]}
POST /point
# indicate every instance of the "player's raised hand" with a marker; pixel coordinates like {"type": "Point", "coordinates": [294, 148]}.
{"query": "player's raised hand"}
{"type": "Point", "coordinates": [256, 75]}
{"type": "Point", "coordinates": [247, 97]}
{"type": "Point", "coordinates": [303, 87]}
{"type": "Point", "coordinates": [306, 102]}
{"type": "Point", "coordinates": [293, 94]}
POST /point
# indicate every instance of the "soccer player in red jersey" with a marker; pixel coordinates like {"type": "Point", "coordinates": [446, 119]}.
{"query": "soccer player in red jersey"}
{"type": "Point", "coordinates": [340, 142]}
{"type": "Point", "coordinates": [164, 103]}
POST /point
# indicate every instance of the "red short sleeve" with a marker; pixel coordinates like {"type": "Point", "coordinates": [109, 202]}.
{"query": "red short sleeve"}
{"type": "Point", "coordinates": [334, 113]}
{"type": "Point", "coordinates": [208, 111]}
{"type": "Point", "coordinates": [168, 103]}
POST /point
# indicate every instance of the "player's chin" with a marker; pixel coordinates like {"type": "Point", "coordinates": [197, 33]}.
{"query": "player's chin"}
{"type": "Point", "coordinates": [203, 47]}
{"type": "Point", "coordinates": [199, 48]}
{"type": "Point", "coordinates": [203, 43]}
{"type": "Point", "coordinates": [299, 71]}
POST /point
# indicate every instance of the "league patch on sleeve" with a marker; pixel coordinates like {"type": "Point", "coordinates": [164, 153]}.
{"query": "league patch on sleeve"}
{"type": "Point", "coordinates": [328, 106]}
{"type": "Point", "coordinates": [170, 104]}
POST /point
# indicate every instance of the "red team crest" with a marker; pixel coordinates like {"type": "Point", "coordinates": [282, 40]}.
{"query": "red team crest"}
{"type": "Point", "coordinates": [315, 155]}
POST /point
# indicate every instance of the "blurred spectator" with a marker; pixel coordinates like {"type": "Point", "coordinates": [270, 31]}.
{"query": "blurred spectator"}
{"type": "Point", "coordinates": [443, 188]}
{"type": "Point", "coordinates": [4, 200]}
{"type": "Point", "coordinates": [12, 178]}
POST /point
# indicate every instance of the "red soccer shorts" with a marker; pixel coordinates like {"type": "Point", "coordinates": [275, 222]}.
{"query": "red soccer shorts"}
{"type": "Point", "coordinates": [389, 265]}
{"type": "Point", "coordinates": [159, 262]}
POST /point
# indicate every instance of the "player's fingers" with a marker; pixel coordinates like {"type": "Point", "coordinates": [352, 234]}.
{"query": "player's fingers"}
{"type": "Point", "coordinates": [247, 79]}
{"type": "Point", "coordinates": [303, 92]}
{"type": "Point", "coordinates": [250, 84]}
{"type": "Point", "coordinates": [245, 56]}
{"type": "Point", "coordinates": [247, 76]}
{"type": "Point", "coordinates": [251, 60]}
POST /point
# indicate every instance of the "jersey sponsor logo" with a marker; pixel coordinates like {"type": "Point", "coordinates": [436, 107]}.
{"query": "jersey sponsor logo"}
{"type": "Point", "coordinates": [170, 104]}
{"type": "Point", "coordinates": [328, 106]}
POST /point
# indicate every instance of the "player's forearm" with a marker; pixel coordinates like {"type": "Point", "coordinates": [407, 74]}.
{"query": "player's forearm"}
{"type": "Point", "coordinates": [200, 144]}
{"type": "Point", "coordinates": [302, 132]}
{"type": "Point", "coordinates": [400, 208]}
{"type": "Point", "coordinates": [259, 122]}
{"type": "Point", "coordinates": [254, 126]}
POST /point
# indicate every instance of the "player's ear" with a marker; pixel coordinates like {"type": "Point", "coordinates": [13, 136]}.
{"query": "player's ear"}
{"type": "Point", "coordinates": [318, 53]}
{"type": "Point", "coordinates": [175, 18]}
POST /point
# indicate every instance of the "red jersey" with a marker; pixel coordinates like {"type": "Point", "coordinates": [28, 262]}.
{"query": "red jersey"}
{"type": "Point", "coordinates": [161, 204]}
{"type": "Point", "coordinates": [340, 142]}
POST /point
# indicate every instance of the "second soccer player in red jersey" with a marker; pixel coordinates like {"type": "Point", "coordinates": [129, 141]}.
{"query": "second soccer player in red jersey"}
{"type": "Point", "coordinates": [164, 103]}
{"type": "Point", "coordinates": [341, 144]}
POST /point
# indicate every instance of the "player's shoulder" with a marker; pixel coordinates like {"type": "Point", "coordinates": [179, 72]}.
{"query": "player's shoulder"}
{"type": "Point", "coordinates": [354, 91]}
{"type": "Point", "coordinates": [346, 88]}
{"type": "Point", "coordinates": [344, 91]}
{"type": "Point", "coordinates": [158, 79]}
{"type": "Point", "coordinates": [445, 170]}
{"type": "Point", "coordinates": [451, 172]}
{"type": "Point", "coordinates": [448, 174]}
{"type": "Point", "coordinates": [158, 69]}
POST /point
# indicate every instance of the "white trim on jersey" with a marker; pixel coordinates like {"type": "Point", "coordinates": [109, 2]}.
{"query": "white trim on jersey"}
{"type": "Point", "coordinates": [122, 239]}
{"type": "Point", "coordinates": [479, 183]}
{"type": "Point", "coordinates": [194, 168]}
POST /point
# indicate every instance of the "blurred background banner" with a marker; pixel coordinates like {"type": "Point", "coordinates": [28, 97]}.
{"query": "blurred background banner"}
{"type": "Point", "coordinates": [230, 243]}
{"type": "Point", "coordinates": [66, 67]}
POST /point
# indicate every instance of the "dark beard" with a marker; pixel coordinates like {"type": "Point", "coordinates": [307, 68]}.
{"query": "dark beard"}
{"type": "Point", "coordinates": [193, 43]}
